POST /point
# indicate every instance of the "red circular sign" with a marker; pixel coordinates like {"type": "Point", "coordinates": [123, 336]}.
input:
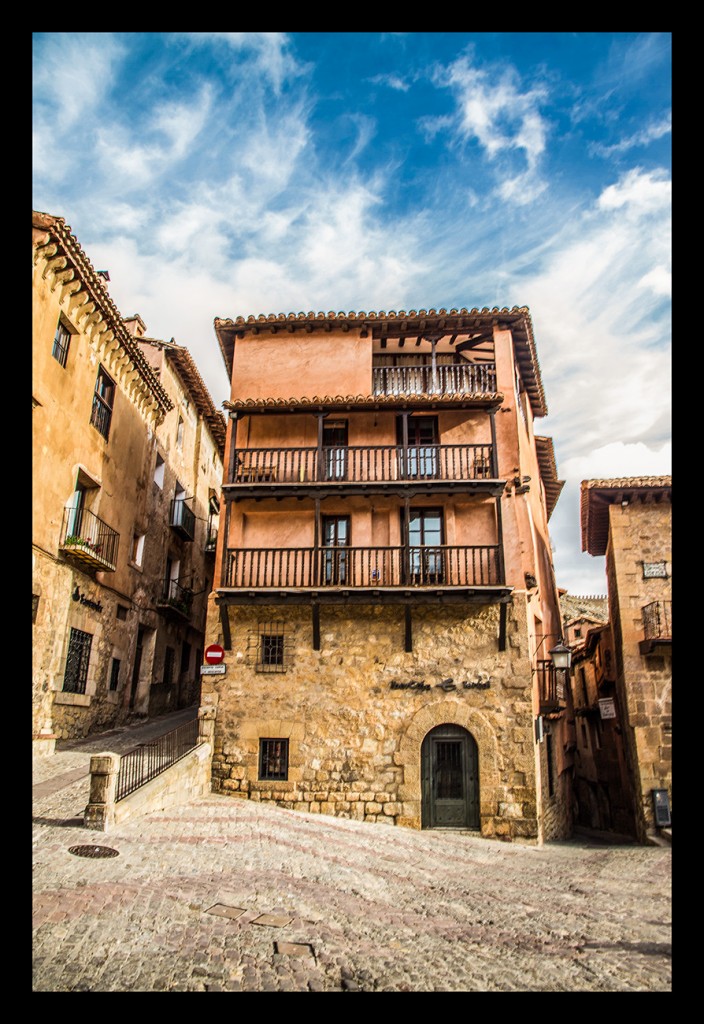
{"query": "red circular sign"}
{"type": "Point", "coordinates": [214, 654]}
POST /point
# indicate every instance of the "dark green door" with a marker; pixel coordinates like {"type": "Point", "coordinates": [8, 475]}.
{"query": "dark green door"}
{"type": "Point", "coordinates": [449, 779]}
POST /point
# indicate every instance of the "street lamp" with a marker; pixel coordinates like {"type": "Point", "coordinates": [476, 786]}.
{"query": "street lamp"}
{"type": "Point", "coordinates": [561, 656]}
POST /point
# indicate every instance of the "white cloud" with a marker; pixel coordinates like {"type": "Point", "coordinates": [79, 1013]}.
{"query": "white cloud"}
{"type": "Point", "coordinates": [617, 459]}
{"type": "Point", "coordinates": [650, 133]}
{"type": "Point", "coordinates": [641, 191]}
{"type": "Point", "coordinates": [493, 109]}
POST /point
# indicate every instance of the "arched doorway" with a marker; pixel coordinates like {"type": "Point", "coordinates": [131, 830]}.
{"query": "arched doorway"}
{"type": "Point", "coordinates": [449, 779]}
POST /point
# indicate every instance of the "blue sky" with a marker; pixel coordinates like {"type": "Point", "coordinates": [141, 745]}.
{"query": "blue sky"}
{"type": "Point", "coordinates": [225, 174]}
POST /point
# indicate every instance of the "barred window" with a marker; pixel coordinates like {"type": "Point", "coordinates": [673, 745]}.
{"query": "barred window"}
{"type": "Point", "coordinates": [268, 647]}
{"type": "Point", "coordinates": [169, 655]}
{"type": "Point", "coordinates": [76, 673]}
{"type": "Point", "coordinates": [103, 398]}
{"type": "Point", "coordinates": [114, 674]}
{"type": "Point", "coordinates": [273, 759]}
{"type": "Point", "coordinates": [62, 339]}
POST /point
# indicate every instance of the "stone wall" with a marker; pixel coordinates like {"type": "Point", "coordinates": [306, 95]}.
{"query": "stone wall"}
{"type": "Point", "coordinates": [356, 712]}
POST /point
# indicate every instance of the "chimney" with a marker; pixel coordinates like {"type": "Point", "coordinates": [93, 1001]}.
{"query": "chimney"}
{"type": "Point", "coordinates": [135, 325]}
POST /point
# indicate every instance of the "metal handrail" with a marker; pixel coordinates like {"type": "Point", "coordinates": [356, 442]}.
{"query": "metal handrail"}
{"type": "Point", "coordinates": [84, 533]}
{"type": "Point", "coordinates": [145, 762]}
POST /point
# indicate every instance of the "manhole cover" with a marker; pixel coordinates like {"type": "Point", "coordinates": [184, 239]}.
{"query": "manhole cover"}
{"type": "Point", "coordinates": [93, 851]}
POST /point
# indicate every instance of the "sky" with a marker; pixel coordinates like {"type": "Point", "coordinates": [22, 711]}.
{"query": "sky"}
{"type": "Point", "coordinates": [233, 173]}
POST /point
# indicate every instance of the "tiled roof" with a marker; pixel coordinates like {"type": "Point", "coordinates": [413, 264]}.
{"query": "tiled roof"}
{"type": "Point", "coordinates": [360, 402]}
{"type": "Point", "coordinates": [413, 322]}
{"type": "Point", "coordinates": [67, 261]}
{"type": "Point", "coordinates": [597, 495]}
{"type": "Point", "coordinates": [189, 373]}
{"type": "Point", "coordinates": [548, 472]}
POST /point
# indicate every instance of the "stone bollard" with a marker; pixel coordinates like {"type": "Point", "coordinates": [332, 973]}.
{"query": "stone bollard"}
{"type": "Point", "coordinates": [206, 724]}
{"type": "Point", "coordinates": [100, 812]}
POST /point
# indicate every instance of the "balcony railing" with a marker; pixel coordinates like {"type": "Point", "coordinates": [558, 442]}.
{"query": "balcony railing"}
{"type": "Point", "coordinates": [551, 687]}
{"type": "Point", "coordinates": [445, 379]}
{"type": "Point", "coordinates": [183, 519]}
{"type": "Point", "coordinates": [371, 464]}
{"type": "Point", "coordinates": [175, 598]}
{"type": "Point", "coordinates": [211, 542]}
{"type": "Point", "coordinates": [657, 625]}
{"type": "Point", "coordinates": [363, 568]}
{"type": "Point", "coordinates": [87, 539]}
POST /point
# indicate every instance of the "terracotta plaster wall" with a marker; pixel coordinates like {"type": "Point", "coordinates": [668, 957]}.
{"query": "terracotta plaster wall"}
{"type": "Point", "coordinates": [354, 739]}
{"type": "Point", "coordinates": [302, 366]}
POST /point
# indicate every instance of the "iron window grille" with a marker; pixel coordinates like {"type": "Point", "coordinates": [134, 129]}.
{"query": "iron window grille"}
{"type": "Point", "coordinates": [76, 673]}
{"type": "Point", "coordinates": [103, 398]}
{"type": "Point", "coordinates": [273, 759]}
{"type": "Point", "coordinates": [268, 647]}
{"type": "Point", "coordinates": [114, 674]}
{"type": "Point", "coordinates": [62, 339]}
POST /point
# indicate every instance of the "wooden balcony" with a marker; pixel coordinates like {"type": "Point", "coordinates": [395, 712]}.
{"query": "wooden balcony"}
{"type": "Point", "coordinates": [88, 540]}
{"type": "Point", "coordinates": [657, 625]}
{"type": "Point", "coordinates": [551, 687]}
{"type": "Point", "coordinates": [359, 469]}
{"type": "Point", "coordinates": [444, 379]}
{"type": "Point", "coordinates": [371, 574]}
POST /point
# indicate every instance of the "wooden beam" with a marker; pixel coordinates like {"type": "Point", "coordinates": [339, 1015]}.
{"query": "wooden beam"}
{"type": "Point", "coordinates": [408, 647]}
{"type": "Point", "coordinates": [502, 626]}
{"type": "Point", "coordinates": [316, 626]}
{"type": "Point", "coordinates": [401, 342]}
{"type": "Point", "coordinates": [383, 342]}
{"type": "Point", "coordinates": [225, 623]}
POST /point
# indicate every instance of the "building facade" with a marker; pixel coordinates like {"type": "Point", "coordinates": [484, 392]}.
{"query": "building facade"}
{"type": "Point", "coordinates": [629, 520]}
{"type": "Point", "coordinates": [118, 422]}
{"type": "Point", "coordinates": [385, 594]}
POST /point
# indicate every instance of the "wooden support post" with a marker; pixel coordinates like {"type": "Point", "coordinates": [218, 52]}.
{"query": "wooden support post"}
{"type": "Point", "coordinates": [409, 629]}
{"type": "Point", "coordinates": [316, 626]}
{"type": "Point", "coordinates": [503, 610]}
{"type": "Point", "coordinates": [232, 467]}
{"type": "Point", "coordinates": [494, 453]}
{"type": "Point", "coordinates": [225, 623]}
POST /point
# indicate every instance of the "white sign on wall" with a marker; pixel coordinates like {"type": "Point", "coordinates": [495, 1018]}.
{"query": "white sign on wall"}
{"type": "Point", "coordinates": [607, 708]}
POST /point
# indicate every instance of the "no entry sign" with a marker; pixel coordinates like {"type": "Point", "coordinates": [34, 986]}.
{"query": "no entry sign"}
{"type": "Point", "coordinates": [214, 654]}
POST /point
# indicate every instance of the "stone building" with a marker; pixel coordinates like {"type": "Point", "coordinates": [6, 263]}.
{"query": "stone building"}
{"type": "Point", "coordinates": [127, 466]}
{"type": "Point", "coordinates": [385, 593]}
{"type": "Point", "coordinates": [630, 521]}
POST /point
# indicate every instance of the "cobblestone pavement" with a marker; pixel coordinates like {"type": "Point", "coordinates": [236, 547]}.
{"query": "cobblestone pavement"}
{"type": "Point", "coordinates": [224, 894]}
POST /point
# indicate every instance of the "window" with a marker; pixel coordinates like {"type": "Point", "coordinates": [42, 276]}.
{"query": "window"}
{"type": "Point", "coordinates": [179, 433]}
{"type": "Point", "coordinates": [76, 673]}
{"type": "Point", "coordinates": [336, 537]}
{"type": "Point", "coordinates": [103, 399]}
{"type": "Point", "coordinates": [271, 652]}
{"type": "Point", "coordinates": [114, 674]}
{"type": "Point", "coordinates": [159, 471]}
{"type": "Point", "coordinates": [121, 612]}
{"type": "Point", "coordinates": [137, 553]}
{"type": "Point", "coordinates": [35, 606]}
{"type": "Point", "coordinates": [61, 343]}
{"type": "Point", "coordinates": [273, 759]}
{"type": "Point", "coordinates": [425, 538]}
{"type": "Point", "coordinates": [169, 655]}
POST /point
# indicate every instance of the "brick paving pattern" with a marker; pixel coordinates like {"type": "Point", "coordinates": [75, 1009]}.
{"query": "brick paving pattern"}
{"type": "Point", "coordinates": [224, 894]}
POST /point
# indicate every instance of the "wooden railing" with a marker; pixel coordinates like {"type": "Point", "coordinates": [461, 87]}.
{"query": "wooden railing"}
{"type": "Point", "coordinates": [364, 567]}
{"type": "Point", "coordinates": [444, 379]}
{"type": "Point", "coordinates": [374, 464]}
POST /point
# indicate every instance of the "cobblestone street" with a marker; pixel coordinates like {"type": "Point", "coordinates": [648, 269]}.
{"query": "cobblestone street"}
{"type": "Point", "coordinates": [230, 895]}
